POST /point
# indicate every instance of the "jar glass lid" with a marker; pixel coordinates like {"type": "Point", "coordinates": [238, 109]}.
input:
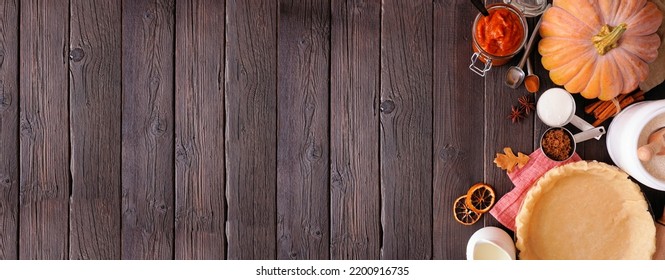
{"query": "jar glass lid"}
{"type": "Point", "coordinates": [530, 8]}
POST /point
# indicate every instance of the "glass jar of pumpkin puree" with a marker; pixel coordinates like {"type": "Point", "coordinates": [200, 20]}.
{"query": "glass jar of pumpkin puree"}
{"type": "Point", "coordinates": [498, 37]}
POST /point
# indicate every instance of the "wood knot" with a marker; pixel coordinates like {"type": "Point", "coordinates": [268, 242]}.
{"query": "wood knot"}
{"type": "Point", "coordinates": [153, 85]}
{"type": "Point", "coordinates": [314, 152]}
{"type": "Point", "coordinates": [159, 206]}
{"type": "Point", "coordinates": [149, 15]}
{"type": "Point", "coordinates": [26, 128]}
{"type": "Point", "coordinates": [158, 126]}
{"type": "Point", "coordinates": [336, 180]}
{"type": "Point", "coordinates": [181, 155]}
{"type": "Point", "coordinates": [448, 153]}
{"type": "Point", "coordinates": [387, 106]}
{"type": "Point", "coordinates": [316, 232]}
{"type": "Point", "coordinates": [76, 54]}
{"type": "Point", "coordinates": [5, 100]}
{"type": "Point", "coordinates": [5, 181]}
{"type": "Point", "coordinates": [23, 195]}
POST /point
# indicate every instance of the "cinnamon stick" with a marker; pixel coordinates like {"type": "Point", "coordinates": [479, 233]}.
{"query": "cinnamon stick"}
{"type": "Point", "coordinates": [611, 111]}
{"type": "Point", "coordinates": [608, 105]}
{"type": "Point", "coordinates": [592, 107]}
{"type": "Point", "coordinates": [639, 93]}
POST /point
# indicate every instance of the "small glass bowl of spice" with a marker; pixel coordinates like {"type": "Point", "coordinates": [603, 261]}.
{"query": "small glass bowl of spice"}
{"type": "Point", "coordinates": [558, 144]}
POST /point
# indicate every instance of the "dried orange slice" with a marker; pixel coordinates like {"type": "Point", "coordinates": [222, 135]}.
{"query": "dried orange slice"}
{"type": "Point", "coordinates": [463, 214]}
{"type": "Point", "coordinates": [480, 198]}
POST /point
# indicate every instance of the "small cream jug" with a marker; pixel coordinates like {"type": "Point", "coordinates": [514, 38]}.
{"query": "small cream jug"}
{"type": "Point", "coordinates": [490, 243]}
{"type": "Point", "coordinates": [622, 137]}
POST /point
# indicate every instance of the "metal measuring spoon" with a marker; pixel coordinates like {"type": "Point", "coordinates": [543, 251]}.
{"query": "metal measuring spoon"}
{"type": "Point", "coordinates": [534, 85]}
{"type": "Point", "coordinates": [515, 75]}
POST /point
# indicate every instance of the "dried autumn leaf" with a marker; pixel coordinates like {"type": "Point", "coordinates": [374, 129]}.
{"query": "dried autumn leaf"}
{"type": "Point", "coordinates": [522, 159]}
{"type": "Point", "coordinates": [508, 160]}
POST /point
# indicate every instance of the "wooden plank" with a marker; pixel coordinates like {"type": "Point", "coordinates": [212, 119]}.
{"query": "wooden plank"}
{"type": "Point", "coordinates": [147, 129]}
{"type": "Point", "coordinates": [500, 131]}
{"type": "Point", "coordinates": [406, 129]}
{"type": "Point", "coordinates": [95, 103]}
{"type": "Point", "coordinates": [302, 129]}
{"type": "Point", "coordinates": [9, 176]}
{"type": "Point", "coordinates": [44, 126]}
{"type": "Point", "coordinates": [354, 130]}
{"type": "Point", "coordinates": [545, 84]}
{"type": "Point", "coordinates": [199, 128]}
{"type": "Point", "coordinates": [251, 129]}
{"type": "Point", "coordinates": [458, 118]}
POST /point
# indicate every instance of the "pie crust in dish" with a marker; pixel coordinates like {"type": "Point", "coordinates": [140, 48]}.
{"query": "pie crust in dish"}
{"type": "Point", "coordinates": [585, 210]}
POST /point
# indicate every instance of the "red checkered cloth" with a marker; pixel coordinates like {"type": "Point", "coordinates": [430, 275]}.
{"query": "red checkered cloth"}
{"type": "Point", "coordinates": [505, 210]}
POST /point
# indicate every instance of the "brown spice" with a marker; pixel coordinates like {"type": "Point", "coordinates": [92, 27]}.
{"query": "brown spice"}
{"type": "Point", "coordinates": [557, 144]}
{"type": "Point", "coordinates": [532, 84]}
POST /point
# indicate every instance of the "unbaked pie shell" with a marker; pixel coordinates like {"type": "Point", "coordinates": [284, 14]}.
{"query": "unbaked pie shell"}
{"type": "Point", "coordinates": [585, 210]}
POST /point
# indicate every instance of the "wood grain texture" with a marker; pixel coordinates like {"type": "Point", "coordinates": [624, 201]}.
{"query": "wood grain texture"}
{"type": "Point", "coordinates": [302, 130]}
{"type": "Point", "coordinates": [199, 128]}
{"type": "Point", "coordinates": [147, 129]}
{"type": "Point", "coordinates": [95, 119]}
{"type": "Point", "coordinates": [354, 130]}
{"type": "Point", "coordinates": [44, 126]}
{"type": "Point", "coordinates": [500, 131]}
{"type": "Point", "coordinates": [9, 175]}
{"type": "Point", "coordinates": [251, 128]}
{"type": "Point", "coordinates": [406, 129]}
{"type": "Point", "coordinates": [545, 84]}
{"type": "Point", "coordinates": [458, 125]}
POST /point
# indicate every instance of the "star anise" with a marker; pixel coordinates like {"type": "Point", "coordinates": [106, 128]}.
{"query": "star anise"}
{"type": "Point", "coordinates": [516, 114]}
{"type": "Point", "coordinates": [527, 104]}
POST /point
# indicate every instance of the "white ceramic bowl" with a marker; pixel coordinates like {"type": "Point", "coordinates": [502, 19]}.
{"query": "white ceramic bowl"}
{"type": "Point", "coordinates": [623, 134]}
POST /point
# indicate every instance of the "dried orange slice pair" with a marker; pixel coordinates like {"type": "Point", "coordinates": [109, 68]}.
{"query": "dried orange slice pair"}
{"type": "Point", "coordinates": [479, 199]}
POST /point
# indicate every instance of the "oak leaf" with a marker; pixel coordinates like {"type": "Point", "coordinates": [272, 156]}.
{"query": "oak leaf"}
{"type": "Point", "coordinates": [508, 160]}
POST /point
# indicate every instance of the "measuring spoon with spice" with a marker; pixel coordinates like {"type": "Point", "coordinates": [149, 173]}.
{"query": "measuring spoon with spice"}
{"type": "Point", "coordinates": [559, 144]}
{"type": "Point", "coordinates": [531, 82]}
{"type": "Point", "coordinates": [515, 74]}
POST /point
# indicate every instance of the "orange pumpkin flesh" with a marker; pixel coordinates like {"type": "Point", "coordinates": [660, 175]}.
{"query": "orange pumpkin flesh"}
{"type": "Point", "coordinates": [599, 48]}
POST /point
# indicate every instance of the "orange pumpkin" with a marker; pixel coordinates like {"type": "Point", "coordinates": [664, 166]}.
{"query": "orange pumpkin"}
{"type": "Point", "coordinates": [599, 48]}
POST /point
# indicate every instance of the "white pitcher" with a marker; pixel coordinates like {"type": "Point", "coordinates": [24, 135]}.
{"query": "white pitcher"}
{"type": "Point", "coordinates": [622, 137]}
{"type": "Point", "coordinates": [490, 243]}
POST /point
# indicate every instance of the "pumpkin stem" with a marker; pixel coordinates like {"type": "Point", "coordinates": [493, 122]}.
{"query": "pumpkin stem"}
{"type": "Point", "coordinates": [608, 38]}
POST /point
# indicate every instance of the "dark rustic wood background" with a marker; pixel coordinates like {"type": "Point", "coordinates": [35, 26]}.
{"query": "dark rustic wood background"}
{"type": "Point", "coordinates": [248, 129]}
